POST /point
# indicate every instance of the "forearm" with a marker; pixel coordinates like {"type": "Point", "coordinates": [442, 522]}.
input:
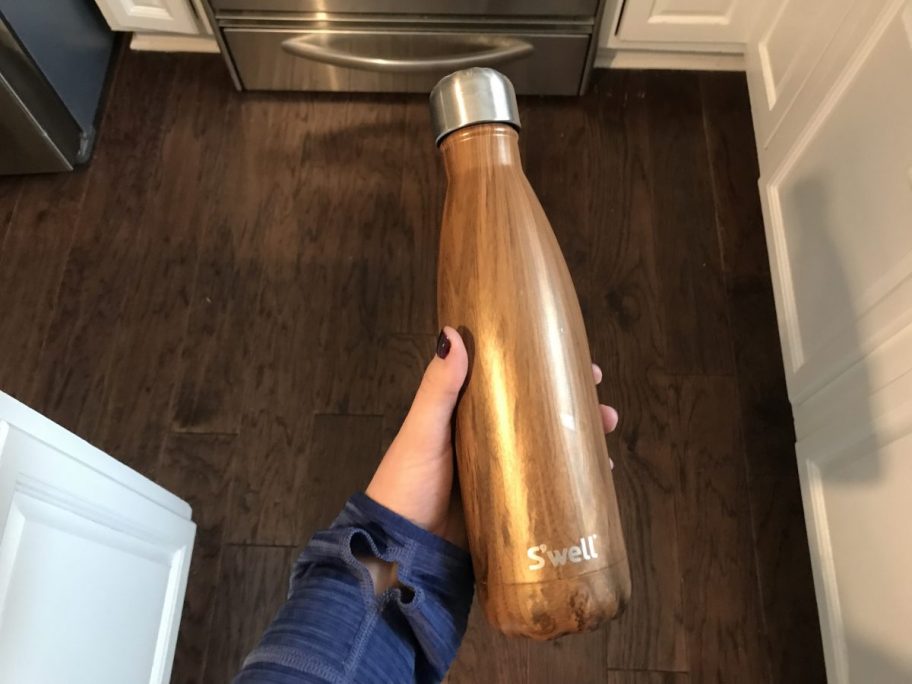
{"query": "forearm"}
{"type": "Point", "coordinates": [396, 619]}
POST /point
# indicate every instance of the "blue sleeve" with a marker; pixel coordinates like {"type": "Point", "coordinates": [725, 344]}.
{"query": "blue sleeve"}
{"type": "Point", "coordinates": [333, 628]}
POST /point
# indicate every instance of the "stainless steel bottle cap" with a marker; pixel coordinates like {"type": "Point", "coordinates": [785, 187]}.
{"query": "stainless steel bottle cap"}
{"type": "Point", "coordinates": [472, 96]}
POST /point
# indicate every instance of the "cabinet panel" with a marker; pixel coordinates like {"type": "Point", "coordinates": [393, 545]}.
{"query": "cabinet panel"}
{"type": "Point", "coordinates": [790, 47]}
{"type": "Point", "coordinates": [838, 213]}
{"type": "Point", "coordinates": [857, 507]}
{"type": "Point", "coordinates": [682, 21]}
{"type": "Point", "coordinates": [93, 561]}
{"type": "Point", "coordinates": [171, 16]}
{"type": "Point", "coordinates": [807, 26]}
{"type": "Point", "coordinates": [799, 50]}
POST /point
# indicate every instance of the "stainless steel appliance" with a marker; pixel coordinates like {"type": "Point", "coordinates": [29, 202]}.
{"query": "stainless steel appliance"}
{"type": "Point", "coordinates": [544, 46]}
{"type": "Point", "coordinates": [54, 56]}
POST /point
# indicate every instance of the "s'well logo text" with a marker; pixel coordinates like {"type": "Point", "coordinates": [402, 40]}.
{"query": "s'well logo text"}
{"type": "Point", "coordinates": [573, 554]}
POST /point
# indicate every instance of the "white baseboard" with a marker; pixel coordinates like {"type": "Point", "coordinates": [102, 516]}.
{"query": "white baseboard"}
{"type": "Point", "coordinates": [169, 42]}
{"type": "Point", "coordinates": [606, 58]}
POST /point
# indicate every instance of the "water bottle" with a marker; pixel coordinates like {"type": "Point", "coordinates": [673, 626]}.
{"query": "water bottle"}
{"type": "Point", "coordinates": [540, 507]}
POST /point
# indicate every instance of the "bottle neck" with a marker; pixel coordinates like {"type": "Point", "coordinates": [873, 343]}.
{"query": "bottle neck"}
{"type": "Point", "coordinates": [482, 145]}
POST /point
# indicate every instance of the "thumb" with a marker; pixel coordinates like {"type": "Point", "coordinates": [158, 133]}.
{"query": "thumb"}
{"type": "Point", "coordinates": [428, 421]}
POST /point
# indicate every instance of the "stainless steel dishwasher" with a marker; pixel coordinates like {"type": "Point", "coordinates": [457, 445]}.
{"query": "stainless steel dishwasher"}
{"type": "Point", "coordinates": [544, 47]}
{"type": "Point", "coordinates": [54, 58]}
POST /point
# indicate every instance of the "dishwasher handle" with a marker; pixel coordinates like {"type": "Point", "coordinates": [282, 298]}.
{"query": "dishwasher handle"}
{"type": "Point", "coordinates": [491, 50]}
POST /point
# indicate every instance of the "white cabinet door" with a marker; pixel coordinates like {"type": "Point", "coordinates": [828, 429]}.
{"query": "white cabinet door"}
{"type": "Point", "coordinates": [169, 16]}
{"type": "Point", "coordinates": [832, 103]}
{"type": "Point", "coordinates": [855, 485]}
{"type": "Point", "coordinates": [93, 561]}
{"type": "Point", "coordinates": [799, 48]}
{"type": "Point", "coordinates": [686, 21]}
{"type": "Point", "coordinates": [839, 209]}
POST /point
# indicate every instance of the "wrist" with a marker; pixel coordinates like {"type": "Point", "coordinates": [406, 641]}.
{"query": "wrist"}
{"type": "Point", "coordinates": [383, 573]}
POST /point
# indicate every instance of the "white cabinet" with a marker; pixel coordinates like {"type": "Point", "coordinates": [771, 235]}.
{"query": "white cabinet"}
{"type": "Point", "coordinates": [685, 21]}
{"type": "Point", "coordinates": [676, 34]}
{"type": "Point", "coordinates": [832, 105]}
{"type": "Point", "coordinates": [161, 25]}
{"type": "Point", "coordinates": [93, 561]}
{"type": "Point", "coordinates": [168, 16]}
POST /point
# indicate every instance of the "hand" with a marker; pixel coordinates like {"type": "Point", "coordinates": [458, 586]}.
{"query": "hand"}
{"type": "Point", "coordinates": [415, 477]}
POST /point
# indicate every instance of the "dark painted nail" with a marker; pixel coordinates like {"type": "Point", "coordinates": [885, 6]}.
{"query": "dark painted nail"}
{"type": "Point", "coordinates": [443, 345]}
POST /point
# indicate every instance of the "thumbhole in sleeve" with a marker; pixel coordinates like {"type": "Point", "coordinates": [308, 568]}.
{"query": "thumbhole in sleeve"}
{"type": "Point", "coordinates": [406, 594]}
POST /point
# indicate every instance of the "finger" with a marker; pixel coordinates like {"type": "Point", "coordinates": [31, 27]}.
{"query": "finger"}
{"type": "Point", "coordinates": [596, 373]}
{"type": "Point", "coordinates": [609, 418]}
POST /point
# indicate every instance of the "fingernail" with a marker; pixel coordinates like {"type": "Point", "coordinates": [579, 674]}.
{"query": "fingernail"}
{"type": "Point", "coordinates": [443, 345]}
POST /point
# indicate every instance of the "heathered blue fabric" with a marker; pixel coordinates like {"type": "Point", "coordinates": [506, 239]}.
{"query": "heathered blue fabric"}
{"type": "Point", "coordinates": [332, 628]}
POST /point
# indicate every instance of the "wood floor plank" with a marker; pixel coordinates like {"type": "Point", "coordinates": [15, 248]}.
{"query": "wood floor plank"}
{"type": "Point", "coordinates": [223, 333]}
{"type": "Point", "coordinates": [145, 359]}
{"type": "Point", "coordinates": [404, 359]}
{"type": "Point", "coordinates": [766, 413]}
{"type": "Point", "coordinates": [278, 412]}
{"type": "Point", "coordinates": [196, 627]}
{"type": "Point", "coordinates": [769, 435]}
{"type": "Point", "coordinates": [41, 232]}
{"type": "Point", "coordinates": [349, 360]}
{"type": "Point", "coordinates": [210, 393]}
{"type": "Point", "coordinates": [341, 458]}
{"type": "Point", "coordinates": [578, 658]}
{"type": "Point", "coordinates": [197, 468]}
{"type": "Point", "coordinates": [721, 603]}
{"type": "Point", "coordinates": [733, 165]}
{"type": "Point", "coordinates": [652, 630]}
{"type": "Point", "coordinates": [69, 382]}
{"type": "Point", "coordinates": [358, 188]}
{"type": "Point", "coordinates": [264, 497]}
{"type": "Point", "coordinates": [488, 656]}
{"type": "Point", "coordinates": [9, 196]}
{"type": "Point", "coordinates": [645, 677]}
{"type": "Point", "coordinates": [758, 362]}
{"type": "Point", "coordinates": [252, 587]}
{"type": "Point", "coordinates": [408, 303]}
{"type": "Point", "coordinates": [278, 365]}
{"type": "Point", "coordinates": [315, 340]}
{"type": "Point", "coordinates": [550, 127]}
{"type": "Point", "coordinates": [627, 336]}
{"type": "Point", "coordinates": [690, 270]}
{"type": "Point", "coordinates": [783, 562]}
{"type": "Point", "coordinates": [792, 628]}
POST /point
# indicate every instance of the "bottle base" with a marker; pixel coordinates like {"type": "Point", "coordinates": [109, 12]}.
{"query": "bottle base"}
{"type": "Point", "coordinates": [551, 609]}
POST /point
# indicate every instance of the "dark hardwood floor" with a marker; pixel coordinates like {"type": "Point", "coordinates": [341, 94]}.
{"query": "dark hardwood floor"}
{"type": "Point", "coordinates": [236, 298]}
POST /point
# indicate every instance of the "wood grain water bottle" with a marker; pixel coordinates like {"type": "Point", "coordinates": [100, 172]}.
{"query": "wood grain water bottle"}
{"type": "Point", "coordinates": [539, 500]}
